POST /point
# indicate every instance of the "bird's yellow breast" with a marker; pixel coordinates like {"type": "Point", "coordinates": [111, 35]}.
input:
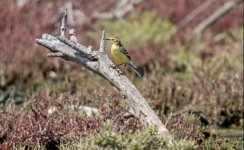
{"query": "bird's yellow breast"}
{"type": "Point", "coordinates": [119, 57]}
{"type": "Point", "coordinates": [115, 49]}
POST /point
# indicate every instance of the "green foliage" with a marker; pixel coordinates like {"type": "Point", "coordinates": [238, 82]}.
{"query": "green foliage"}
{"type": "Point", "coordinates": [187, 58]}
{"type": "Point", "coordinates": [184, 62]}
{"type": "Point", "coordinates": [141, 30]}
{"type": "Point", "coordinates": [147, 138]}
{"type": "Point", "coordinates": [217, 143]}
{"type": "Point", "coordinates": [231, 57]}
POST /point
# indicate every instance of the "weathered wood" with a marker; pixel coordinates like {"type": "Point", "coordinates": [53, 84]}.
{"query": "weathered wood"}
{"type": "Point", "coordinates": [99, 63]}
{"type": "Point", "coordinates": [64, 22]}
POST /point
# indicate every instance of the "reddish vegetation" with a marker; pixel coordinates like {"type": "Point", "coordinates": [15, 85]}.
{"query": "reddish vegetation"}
{"type": "Point", "coordinates": [22, 26]}
{"type": "Point", "coordinates": [34, 125]}
{"type": "Point", "coordinates": [176, 10]}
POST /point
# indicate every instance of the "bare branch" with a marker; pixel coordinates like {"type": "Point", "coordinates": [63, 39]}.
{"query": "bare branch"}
{"type": "Point", "coordinates": [195, 13]}
{"type": "Point", "coordinates": [121, 9]}
{"type": "Point", "coordinates": [102, 45]}
{"type": "Point", "coordinates": [55, 54]}
{"type": "Point", "coordinates": [228, 6]}
{"type": "Point", "coordinates": [64, 22]}
{"type": "Point", "coordinates": [80, 48]}
{"type": "Point", "coordinates": [72, 36]}
{"type": "Point", "coordinates": [170, 115]}
{"type": "Point", "coordinates": [55, 45]}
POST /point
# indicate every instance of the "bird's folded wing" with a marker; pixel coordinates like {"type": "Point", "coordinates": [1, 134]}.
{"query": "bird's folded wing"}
{"type": "Point", "coordinates": [124, 51]}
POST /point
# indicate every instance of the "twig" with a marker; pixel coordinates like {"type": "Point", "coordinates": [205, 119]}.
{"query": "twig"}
{"type": "Point", "coordinates": [102, 45]}
{"type": "Point", "coordinates": [170, 115]}
{"type": "Point", "coordinates": [64, 22]}
{"type": "Point", "coordinates": [102, 66]}
{"type": "Point", "coordinates": [228, 6]}
{"type": "Point", "coordinates": [186, 111]}
{"type": "Point", "coordinates": [203, 119]}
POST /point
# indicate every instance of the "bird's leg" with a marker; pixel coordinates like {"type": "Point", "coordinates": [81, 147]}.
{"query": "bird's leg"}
{"type": "Point", "coordinates": [119, 71]}
{"type": "Point", "coordinates": [113, 66]}
{"type": "Point", "coordinates": [118, 65]}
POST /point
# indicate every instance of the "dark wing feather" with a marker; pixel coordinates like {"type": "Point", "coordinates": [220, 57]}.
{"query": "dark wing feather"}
{"type": "Point", "coordinates": [124, 51]}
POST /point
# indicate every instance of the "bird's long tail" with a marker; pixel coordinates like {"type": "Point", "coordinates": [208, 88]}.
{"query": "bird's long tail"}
{"type": "Point", "coordinates": [135, 69]}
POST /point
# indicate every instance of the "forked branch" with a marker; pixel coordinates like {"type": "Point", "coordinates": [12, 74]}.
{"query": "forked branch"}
{"type": "Point", "coordinates": [99, 63]}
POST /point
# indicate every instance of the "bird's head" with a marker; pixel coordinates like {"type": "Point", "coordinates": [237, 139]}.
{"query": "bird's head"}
{"type": "Point", "coordinates": [115, 40]}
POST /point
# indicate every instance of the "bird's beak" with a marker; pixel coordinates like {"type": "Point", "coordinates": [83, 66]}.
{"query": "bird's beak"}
{"type": "Point", "coordinates": [107, 39]}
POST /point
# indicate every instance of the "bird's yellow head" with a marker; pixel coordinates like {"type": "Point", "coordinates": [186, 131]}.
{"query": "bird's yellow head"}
{"type": "Point", "coordinates": [115, 40]}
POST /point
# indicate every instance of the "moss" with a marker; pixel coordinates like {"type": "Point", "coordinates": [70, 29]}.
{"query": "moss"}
{"type": "Point", "coordinates": [147, 138]}
{"type": "Point", "coordinates": [141, 29]}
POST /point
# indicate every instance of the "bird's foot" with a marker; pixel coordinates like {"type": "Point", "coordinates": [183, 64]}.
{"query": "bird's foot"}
{"type": "Point", "coordinates": [120, 72]}
{"type": "Point", "coordinates": [117, 69]}
{"type": "Point", "coordinates": [113, 66]}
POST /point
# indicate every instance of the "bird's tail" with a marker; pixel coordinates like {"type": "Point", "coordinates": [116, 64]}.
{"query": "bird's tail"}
{"type": "Point", "coordinates": [135, 69]}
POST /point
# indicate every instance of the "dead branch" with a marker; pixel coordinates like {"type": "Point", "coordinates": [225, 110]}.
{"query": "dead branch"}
{"type": "Point", "coordinates": [99, 63]}
{"type": "Point", "coordinates": [64, 22]}
{"type": "Point", "coordinates": [75, 17]}
{"type": "Point", "coordinates": [227, 7]}
{"type": "Point", "coordinates": [195, 13]}
{"type": "Point", "coordinates": [121, 9]}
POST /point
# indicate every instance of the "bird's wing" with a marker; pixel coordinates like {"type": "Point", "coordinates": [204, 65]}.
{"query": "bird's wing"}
{"type": "Point", "coordinates": [124, 51]}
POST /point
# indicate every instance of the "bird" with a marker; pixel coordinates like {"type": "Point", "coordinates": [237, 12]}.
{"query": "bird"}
{"type": "Point", "coordinates": [72, 36]}
{"type": "Point", "coordinates": [120, 54]}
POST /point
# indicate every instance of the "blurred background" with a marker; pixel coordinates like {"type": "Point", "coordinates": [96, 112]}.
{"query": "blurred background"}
{"type": "Point", "coordinates": [188, 68]}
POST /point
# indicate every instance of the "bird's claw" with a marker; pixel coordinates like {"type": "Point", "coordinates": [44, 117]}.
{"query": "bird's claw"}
{"type": "Point", "coordinates": [117, 69]}
{"type": "Point", "coordinates": [120, 72]}
{"type": "Point", "coordinates": [114, 66]}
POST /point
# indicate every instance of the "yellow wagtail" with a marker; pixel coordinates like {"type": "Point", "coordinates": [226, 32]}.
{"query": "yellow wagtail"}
{"type": "Point", "coordinates": [120, 54]}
